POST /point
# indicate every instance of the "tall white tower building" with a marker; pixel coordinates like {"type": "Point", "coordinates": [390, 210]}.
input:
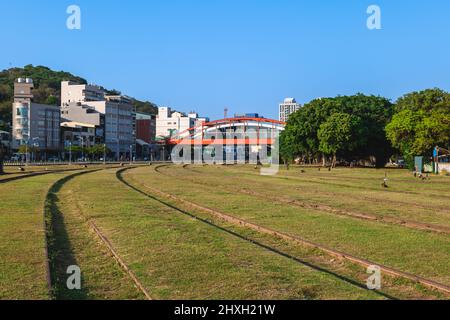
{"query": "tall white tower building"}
{"type": "Point", "coordinates": [288, 107]}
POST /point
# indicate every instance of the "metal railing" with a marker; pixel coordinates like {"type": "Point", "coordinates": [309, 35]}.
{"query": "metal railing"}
{"type": "Point", "coordinates": [66, 163]}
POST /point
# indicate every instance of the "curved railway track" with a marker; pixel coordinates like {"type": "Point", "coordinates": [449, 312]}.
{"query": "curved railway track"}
{"type": "Point", "coordinates": [242, 237]}
{"type": "Point", "coordinates": [360, 197]}
{"type": "Point", "coordinates": [261, 229]}
{"type": "Point", "coordinates": [49, 203]}
{"type": "Point", "coordinates": [328, 209]}
{"type": "Point", "coordinates": [343, 185]}
{"type": "Point", "coordinates": [36, 174]}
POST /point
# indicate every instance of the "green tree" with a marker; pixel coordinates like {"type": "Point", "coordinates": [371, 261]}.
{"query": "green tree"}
{"type": "Point", "coordinates": [300, 138]}
{"type": "Point", "coordinates": [51, 100]}
{"type": "Point", "coordinates": [421, 121]}
{"type": "Point", "coordinates": [97, 151]}
{"type": "Point", "coordinates": [338, 134]}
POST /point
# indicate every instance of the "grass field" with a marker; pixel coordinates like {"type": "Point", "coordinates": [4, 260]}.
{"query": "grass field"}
{"type": "Point", "coordinates": [173, 250]}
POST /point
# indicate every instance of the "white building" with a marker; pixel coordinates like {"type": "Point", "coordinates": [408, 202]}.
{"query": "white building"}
{"type": "Point", "coordinates": [288, 107]}
{"type": "Point", "coordinates": [117, 111]}
{"type": "Point", "coordinates": [74, 92]}
{"type": "Point", "coordinates": [33, 123]}
{"type": "Point", "coordinates": [169, 124]}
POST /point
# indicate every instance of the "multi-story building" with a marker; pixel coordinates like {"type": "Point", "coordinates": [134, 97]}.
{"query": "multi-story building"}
{"type": "Point", "coordinates": [117, 111]}
{"type": "Point", "coordinates": [145, 127]}
{"type": "Point", "coordinates": [83, 114]}
{"type": "Point", "coordinates": [78, 134]}
{"type": "Point", "coordinates": [288, 107]}
{"type": "Point", "coordinates": [74, 92]}
{"type": "Point", "coordinates": [145, 132]}
{"type": "Point", "coordinates": [33, 123]}
{"type": "Point", "coordinates": [169, 124]}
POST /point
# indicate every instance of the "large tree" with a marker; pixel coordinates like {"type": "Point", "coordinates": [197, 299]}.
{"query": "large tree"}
{"type": "Point", "coordinates": [339, 134]}
{"type": "Point", "coordinates": [300, 137]}
{"type": "Point", "coordinates": [421, 121]}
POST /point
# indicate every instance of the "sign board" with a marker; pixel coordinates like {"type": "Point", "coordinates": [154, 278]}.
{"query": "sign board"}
{"type": "Point", "coordinates": [418, 164]}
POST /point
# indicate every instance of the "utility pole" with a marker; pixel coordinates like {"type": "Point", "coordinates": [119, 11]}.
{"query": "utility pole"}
{"type": "Point", "coordinates": [131, 153]}
{"type": "Point", "coordinates": [118, 150]}
{"type": "Point", "coordinates": [70, 153]}
{"type": "Point", "coordinates": [104, 154]}
{"type": "Point", "coordinates": [82, 148]}
{"type": "Point", "coordinates": [26, 152]}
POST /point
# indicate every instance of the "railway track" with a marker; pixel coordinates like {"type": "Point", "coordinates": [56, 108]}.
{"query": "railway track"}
{"type": "Point", "coordinates": [49, 202]}
{"type": "Point", "coordinates": [36, 174]}
{"type": "Point", "coordinates": [343, 185]}
{"type": "Point", "coordinates": [359, 197]}
{"type": "Point", "coordinates": [264, 230]}
{"type": "Point", "coordinates": [242, 237]}
{"type": "Point", "coordinates": [328, 209]}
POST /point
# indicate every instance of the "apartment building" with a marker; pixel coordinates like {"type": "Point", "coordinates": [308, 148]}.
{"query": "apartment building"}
{"type": "Point", "coordinates": [169, 124]}
{"type": "Point", "coordinates": [288, 107]}
{"type": "Point", "coordinates": [78, 134]}
{"type": "Point", "coordinates": [117, 111]}
{"type": "Point", "coordinates": [74, 92]}
{"type": "Point", "coordinates": [82, 125]}
{"type": "Point", "coordinates": [33, 123]}
{"type": "Point", "coordinates": [145, 127]}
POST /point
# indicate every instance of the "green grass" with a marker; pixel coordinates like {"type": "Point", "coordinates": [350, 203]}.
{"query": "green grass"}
{"type": "Point", "coordinates": [422, 253]}
{"type": "Point", "coordinates": [362, 193]}
{"type": "Point", "coordinates": [22, 238]}
{"type": "Point", "coordinates": [177, 257]}
{"type": "Point", "coordinates": [72, 242]}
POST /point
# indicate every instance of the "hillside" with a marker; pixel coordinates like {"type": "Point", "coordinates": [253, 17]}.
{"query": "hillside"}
{"type": "Point", "coordinates": [47, 89]}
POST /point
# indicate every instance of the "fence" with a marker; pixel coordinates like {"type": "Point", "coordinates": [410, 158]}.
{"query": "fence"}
{"type": "Point", "coordinates": [66, 163]}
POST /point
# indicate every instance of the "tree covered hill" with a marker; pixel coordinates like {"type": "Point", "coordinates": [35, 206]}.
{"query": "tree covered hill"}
{"type": "Point", "coordinates": [47, 89]}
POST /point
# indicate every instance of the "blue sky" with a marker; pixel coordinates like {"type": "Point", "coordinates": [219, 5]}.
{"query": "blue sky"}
{"type": "Point", "coordinates": [247, 55]}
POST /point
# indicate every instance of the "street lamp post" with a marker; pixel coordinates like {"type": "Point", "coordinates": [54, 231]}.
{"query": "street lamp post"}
{"type": "Point", "coordinates": [82, 147]}
{"type": "Point", "coordinates": [33, 151]}
{"type": "Point", "coordinates": [104, 154]}
{"type": "Point", "coordinates": [131, 153]}
{"type": "Point", "coordinates": [70, 153]}
{"type": "Point", "coordinates": [26, 151]}
{"type": "Point", "coordinates": [118, 150]}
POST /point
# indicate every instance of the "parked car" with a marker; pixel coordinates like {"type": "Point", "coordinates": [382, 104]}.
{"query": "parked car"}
{"type": "Point", "coordinates": [53, 159]}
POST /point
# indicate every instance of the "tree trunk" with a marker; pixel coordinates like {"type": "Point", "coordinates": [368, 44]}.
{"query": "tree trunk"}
{"type": "Point", "coordinates": [324, 160]}
{"type": "Point", "coordinates": [333, 164]}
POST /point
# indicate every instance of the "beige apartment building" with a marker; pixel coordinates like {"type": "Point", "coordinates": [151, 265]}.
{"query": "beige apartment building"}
{"type": "Point", "coordinates": [33, 124]}
{"type": "Point", "coordinates": [116, 110]}
{"type": "Point", "coordinates": [169, 124]}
